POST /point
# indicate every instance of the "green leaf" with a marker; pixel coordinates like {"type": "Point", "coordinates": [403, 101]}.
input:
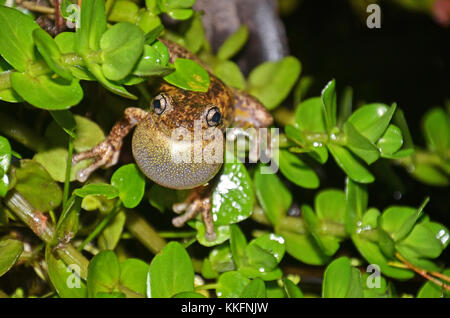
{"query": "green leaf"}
{"type": "Point", "coordinates": [316, 150]}
{"type": "Point", "coordinates": [68, 222]}
{"type": "Point", "coordinates": [189, 75]}
{"type": "Point", "coordinates": [436, 126]}
{"type": "Point", "coordinates": [10, 251]}
{"type": "Point", "coordinates": [8, 94]}
{"type": "Point", "coordinates": [304, 248]}
{"type": "Point", "coordinates": [222, 234]}
{"type": "Point", "coordinates": [272, 244]}
{"type": "Point", "coordinates": [194, 33]}
{"type": "Point", "coordinates": [238, 244]}
{"type": "Point", "coordinates": [133, 275]}
{"type": "Point", "coordinates": [5, 161]}
{"type": "Point", "coordinates": [424, 241]}
{"type": "Point", "coordinates": [291, 290]}
{"type": "Point", "coordinates": [360, 145]}
{"type": "Point", "coordinates": [17, 45]}
{"type": "Point", "coordinates": [398, 221]}
{"type": "Point", "coordinates": [260, 259]}
{"type": "Point", "coordinates": [47, 92]}
{"type": "Point", "coordinates": [271, 82]}
{"type": "Point", "coordinates": [55, 160]}
{"type": "Point", "coordinates": [88, 135]}
{"type": "Point", "coordinates": [103, 274]}
{"type": "Point", "coordinates": [229, 73]}
{"type": "Point", "coordinates": [65, 120]}
{"type": "Point", "coordinates": [254, 289]}
{"type": "Point", "coordinates": [273, 196]}
{"type": "Point", "coordinates": [121, 45]}
{"type": "Point", "coordinates": [232, 199]}
{"type": "Point", "coordinates": [180, 14]}
{"type": "Point", "coordinates": [110, 236]}
{"type": "Point", "coordinates": [153, 61]}
{"type": "Point", "coordinates": [233, 44]}
{"type": "Point", "coordinates": [330, 205]}
{"type": "Point", "coordinates": [92, 27]}
{"type": "Point", "coordinates": [130, 183]}
{"type": "Point", "coordinates": [372, 253]}
{"type": "Point", "coordinates": [372, 289]}
{"type": "Point", "coordinates": [170, 273]}
{"type": "Point", "coordinates": [66, 43]}
{"type": "Point", "coordinates": [298, 172]}
{"type": "Point", "coordinates": [51, 54]}
{"type": "Point", "coordinates": [341, 280]}
{"type": "Point", "coordinates": [123, 11]}
{"type": "Point", "coordinates": [351, 166]}
{"type": "Point", "coordinates": [103, 189]}
{"type": "Point", "coordinates": [356, 198]}
{"type": "Point", "coordinates": [431, 290]}
{"type": "Point", "coordinates": [327, 243]}
{"type": "Point", "coordinates": [386, 243]}
{"type": "Point", "coordinates": [391, 141]}
{"type": "Point", "coordinates": [65, 280]}
{"type": "Point", "coordinates": [221, 259]}
{"type": "Point", "coordinates": [310, 116]}
{"type": "Point", "coordinates": [329, 104]}
{"type": "Point", "coordinates": [429, 174]}
{"type": "Point", "coordinates": [37, 187]}
{"type": "Point", "coordinates": [231, 284]}
{"type": "Point", "coordinates": [372, 120]}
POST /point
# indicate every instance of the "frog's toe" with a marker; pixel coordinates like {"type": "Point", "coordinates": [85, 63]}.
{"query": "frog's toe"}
{"type": "Point", "coordinates": [191, 210]}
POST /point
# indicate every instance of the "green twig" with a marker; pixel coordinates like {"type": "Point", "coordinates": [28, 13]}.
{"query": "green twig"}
{"type": "Point", "coordinates": [144, 232]}
{"type": "Point", "coordinates": [68, 168]}
{"type": "Point", "coordinates": [100, 227]}
{"type": "Point", "coordinates": [37, 222]}
{"type": "Point", "coordinates": [14, 129]}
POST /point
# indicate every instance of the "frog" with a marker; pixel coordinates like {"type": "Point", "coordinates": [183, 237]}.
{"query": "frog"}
{"type": "Point", "coordinates": [219, 108]}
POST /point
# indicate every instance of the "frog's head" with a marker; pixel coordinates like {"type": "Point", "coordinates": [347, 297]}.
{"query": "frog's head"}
{"type": "Point", "coordinates": [182, 130]}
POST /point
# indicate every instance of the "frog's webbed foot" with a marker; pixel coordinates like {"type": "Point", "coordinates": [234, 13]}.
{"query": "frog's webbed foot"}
{"type": "Point", "coordinates": [106, 153]}
{"type": "Point", "coordinates": [197, 202]}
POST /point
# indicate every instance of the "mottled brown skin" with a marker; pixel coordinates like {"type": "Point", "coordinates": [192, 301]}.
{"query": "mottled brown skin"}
{"type": "Point", "coordinates": [152, 138]}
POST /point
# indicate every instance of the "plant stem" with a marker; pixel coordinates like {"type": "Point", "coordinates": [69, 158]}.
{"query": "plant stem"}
{"type": "Point", "coordinates": [175, 235]}
{"type": "Point", "coordinates": [37, 222]}
{"type": "Point", "coordinates": [68, 168]}
{"type": "Point", "coordinates": [144, 232]}
{"type": "Point", "coordinates": [422, 272]}
{"type": "Point", "coordinates": [30, 5]}
{"type": "Point", "coordinates": [101, 226]}
{"type": "Point", "coordinates": [21, 133]}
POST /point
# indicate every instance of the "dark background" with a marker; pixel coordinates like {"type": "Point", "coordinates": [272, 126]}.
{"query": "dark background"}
{"type": "Point", "coordinates": [406, 61]}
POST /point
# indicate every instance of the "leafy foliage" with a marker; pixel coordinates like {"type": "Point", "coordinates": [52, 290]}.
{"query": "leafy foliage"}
{"type": "Point", "coordinates": [117, 46]}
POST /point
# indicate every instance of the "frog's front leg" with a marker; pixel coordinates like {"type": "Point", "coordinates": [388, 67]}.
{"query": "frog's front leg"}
{"type": "Point", "coordinates": [106, 154]}
{"type": "Point", "coordinates": [197, 202]}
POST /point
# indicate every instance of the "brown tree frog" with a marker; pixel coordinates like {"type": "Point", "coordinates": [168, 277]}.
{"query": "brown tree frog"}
{"type": "Point", "coordinates": [152, 141]}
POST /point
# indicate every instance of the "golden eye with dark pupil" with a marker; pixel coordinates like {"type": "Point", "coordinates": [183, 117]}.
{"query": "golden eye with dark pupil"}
{"type": "Point", "coordinates": [213, 117]}
{"type": "Point", "coordinates": [159, 105]}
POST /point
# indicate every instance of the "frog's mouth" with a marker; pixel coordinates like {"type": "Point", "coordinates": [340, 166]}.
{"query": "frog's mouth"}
{"type": "Point", "coordinates": [175, 158]}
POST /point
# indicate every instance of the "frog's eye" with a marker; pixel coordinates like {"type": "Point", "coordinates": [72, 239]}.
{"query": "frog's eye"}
{"type": "Point", "coordinates": [159, 104]}
{"type": "Point", "coordinates": [213, 117]}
